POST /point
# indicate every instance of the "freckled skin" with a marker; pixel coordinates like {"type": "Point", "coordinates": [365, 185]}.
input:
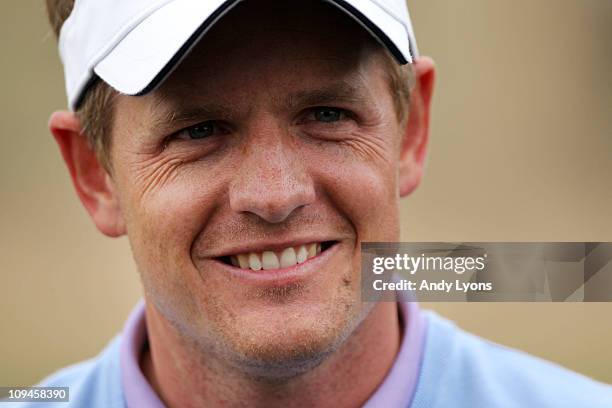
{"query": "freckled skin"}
{"type": "Point", "coordinates": [270, 170]}
{"type": "Point", "coordinates": [270, 175]}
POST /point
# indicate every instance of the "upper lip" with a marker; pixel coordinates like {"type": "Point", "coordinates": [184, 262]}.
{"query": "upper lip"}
{"type": "Point", "coordinates": [266, 245]}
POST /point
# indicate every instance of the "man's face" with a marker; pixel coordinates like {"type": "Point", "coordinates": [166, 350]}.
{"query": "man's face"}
{"type": "Point", "coordinates": [277, 135]}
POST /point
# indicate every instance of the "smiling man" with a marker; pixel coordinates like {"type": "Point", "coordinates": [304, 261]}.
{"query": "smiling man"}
{"type": "Point", "coordinates": [247, 149]}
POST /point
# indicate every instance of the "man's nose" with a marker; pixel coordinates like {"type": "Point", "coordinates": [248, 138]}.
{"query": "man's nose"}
{"type": "Point", "coordinates": [272, 180]}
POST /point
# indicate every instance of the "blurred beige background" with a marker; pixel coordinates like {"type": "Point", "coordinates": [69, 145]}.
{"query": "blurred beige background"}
{"type": "Point", "coordinates": [521, 150]}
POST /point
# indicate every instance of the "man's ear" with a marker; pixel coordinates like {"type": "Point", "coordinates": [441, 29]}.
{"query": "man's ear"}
{"type": "Point", "coordinates": [414, 143]}
{"type": "Point", "coordinates": [92, 182]}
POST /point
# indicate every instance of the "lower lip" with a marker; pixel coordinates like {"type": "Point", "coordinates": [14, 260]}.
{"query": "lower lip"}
{"type": "Point", "coordinates": [282, 276]}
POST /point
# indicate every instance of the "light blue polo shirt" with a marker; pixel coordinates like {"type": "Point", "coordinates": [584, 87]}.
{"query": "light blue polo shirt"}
{"type": "Point", "coordinates": [455, 369]}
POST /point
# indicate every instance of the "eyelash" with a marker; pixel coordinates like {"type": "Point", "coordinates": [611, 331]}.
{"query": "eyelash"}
{"type": "Point", "coordinates": [312, 112]}
{"type": "Point", "coordinates": [217, 128]}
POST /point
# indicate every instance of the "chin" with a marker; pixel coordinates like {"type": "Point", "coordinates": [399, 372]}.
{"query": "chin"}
{"type": "Point", "coordinates": [276, 345]}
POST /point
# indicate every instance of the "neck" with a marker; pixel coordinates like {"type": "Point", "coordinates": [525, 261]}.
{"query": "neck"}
{"type": "Point", "coordinates": [347, 378]}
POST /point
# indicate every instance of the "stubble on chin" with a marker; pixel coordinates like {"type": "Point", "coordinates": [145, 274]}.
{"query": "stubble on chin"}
{"type": "Point", "coordinates": [275, 345]}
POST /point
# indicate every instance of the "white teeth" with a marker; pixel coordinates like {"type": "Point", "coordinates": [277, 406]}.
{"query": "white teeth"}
{"type": "Point", "coordinates": [274, 260]}
{"type": "Point", "coordinates": [302, 254]}
{"type": "Point", "coordinates": [254, 262]}
{"type": "Point", "coordinates": [269, 260]}
{"type": "Point", "coordinates": [243, 261]}
{"type": "Point", "coordinates": [288, 258]}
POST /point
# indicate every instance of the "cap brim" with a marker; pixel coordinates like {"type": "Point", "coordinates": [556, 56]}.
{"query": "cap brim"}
{"type": "Point", "coordinates": [154, 48]}
{"type": "Point", "coordinates": [396, 37]}
{"type": "Point", "coordinates": [149, 53]}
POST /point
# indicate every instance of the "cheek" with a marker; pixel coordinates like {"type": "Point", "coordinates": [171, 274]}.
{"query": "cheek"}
{"type": "Point", "coordinates": [363, 189]}
{"type": "Point", "coordinates": [163, 219]}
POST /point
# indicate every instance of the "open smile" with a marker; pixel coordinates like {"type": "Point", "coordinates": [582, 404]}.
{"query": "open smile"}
{"type": "Point", "coordinates": [271, 259]}
{"type": "Point", "coordinates": [279, 265]}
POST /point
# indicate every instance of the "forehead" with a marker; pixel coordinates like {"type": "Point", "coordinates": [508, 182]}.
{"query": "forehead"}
{"type": "Point", "coordinates": [279, 42]}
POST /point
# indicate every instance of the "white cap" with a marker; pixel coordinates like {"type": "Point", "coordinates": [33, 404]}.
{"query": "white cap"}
{"type": "Point", "coordinates": [133, 45]}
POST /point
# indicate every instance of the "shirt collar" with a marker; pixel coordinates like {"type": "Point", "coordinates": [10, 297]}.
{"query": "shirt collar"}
{"type": "Point", "coordinates": [396, 390]}
{"type": "Point", "coordinates": [137, 390]}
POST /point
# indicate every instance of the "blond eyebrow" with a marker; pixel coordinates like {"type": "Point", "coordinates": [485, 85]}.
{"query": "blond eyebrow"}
{"type": "Point", "coordinates": [337, 93]}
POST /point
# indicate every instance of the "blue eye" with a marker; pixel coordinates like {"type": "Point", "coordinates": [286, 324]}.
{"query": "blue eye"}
{"type": "Point", "coordinates": [201, 130]}
{"type": "Point", "coordinates": [328, 115]}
